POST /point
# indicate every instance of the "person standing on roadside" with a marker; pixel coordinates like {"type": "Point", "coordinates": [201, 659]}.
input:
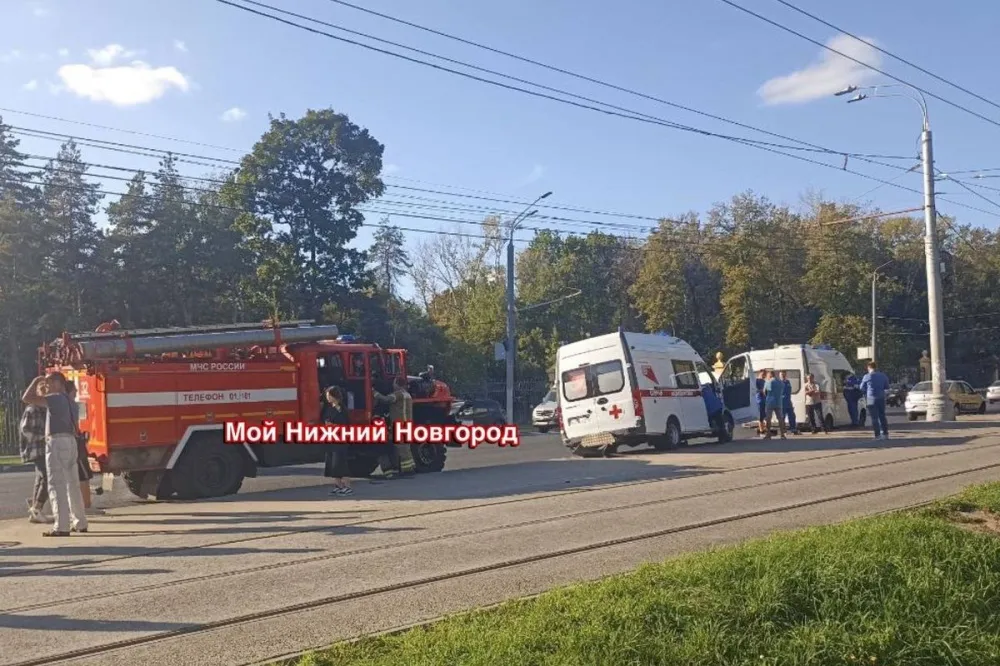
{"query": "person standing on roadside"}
{"type": "Point", "coordinates": [874, 385]}
{"type": "Point", "coordinates": [400, 410]}
{"type": "Point", "coordinates": [763, 429]}
{"type": "Point", "coordinates": [787, 408]}
{"type": "Point", "coordinates": [61, 453]}
{"type": "Point", "coordinates": [774, 398]}
{"type": "Point", "coordinates": [32, 431]}
{"type": "Point", "coordinates": [852, 394]}
{"type": "Point", "coordinates": [814, 404]}
{"type": "Point", "coordinates": [83, 462]}
{"type": "Point", "coordinates": [335, 464]}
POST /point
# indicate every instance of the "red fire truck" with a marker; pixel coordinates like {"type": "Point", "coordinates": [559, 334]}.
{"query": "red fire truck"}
{"type": "Point", "coordinates": [153, 402]}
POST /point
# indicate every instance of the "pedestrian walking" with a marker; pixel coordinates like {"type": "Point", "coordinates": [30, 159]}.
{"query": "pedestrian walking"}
{"type": "Point", "coordinates": [762, 426]}
{"type": "Point", "coordinates": [774, 398]}
{"type": "Point", "coordinates": [61, 453]}
{"type": "Point", "coordinates": [337, 453]}
{"type": "Point", "coordinates": [814, 405]}
{"type": "Point", "coordinates": [32, 431]}
{"type": "Point", "coordinates": [874, 385]}
{"type": "Point", "coordinates": [400, 410]}
{"type": "Point", "coordinates": [852, 393]}
{"type": "Point", "coordinates": [787, 408]}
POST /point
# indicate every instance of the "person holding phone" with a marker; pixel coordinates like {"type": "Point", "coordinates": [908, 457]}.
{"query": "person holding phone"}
{"type": "Point", "coordinates": [61, 453]}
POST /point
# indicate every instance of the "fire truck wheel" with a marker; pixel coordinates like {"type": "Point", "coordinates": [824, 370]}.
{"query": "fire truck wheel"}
{"type": "Point", "coordinates": [208, 468]}
{"type": "Point", "coordinates": [429, 457]}
{"type": "Point", "coordinates": [133, 481]}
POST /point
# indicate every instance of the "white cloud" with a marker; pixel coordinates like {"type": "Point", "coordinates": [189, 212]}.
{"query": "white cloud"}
{"type": "Point", "coordinates": [390, 169]}
{"type": "Point", "coordinates": [828, 75]}
{"type": "Point", "coordinates": [110, 54]}
{"type": "Point", "coordinates": [129, 85]}
{"type": "Point", "coordinates": [31, 85]}
{"type": "Point", "coordinates": [10, 56]}
{"type": "Point", "coordinates": [234, 115]}
{"type": "Point", "coordinates": [63, 53]}
{"type": "Point", "coordinates": [180, 46]}
{"type": "Point", "coordinates": [536, 174]}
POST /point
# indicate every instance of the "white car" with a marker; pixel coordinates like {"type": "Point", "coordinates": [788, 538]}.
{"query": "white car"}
{"type": "Point", "coordinates": [993, 393]}
{"type": "Point", "coordinates": [543, 417]}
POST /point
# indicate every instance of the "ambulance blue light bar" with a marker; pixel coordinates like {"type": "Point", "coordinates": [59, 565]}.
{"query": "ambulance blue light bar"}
{"type": "Point", "coordinates": [346, 338]}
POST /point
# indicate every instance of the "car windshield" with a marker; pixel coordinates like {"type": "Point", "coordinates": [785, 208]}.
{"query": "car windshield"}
{"type": "Point", "coordinates": [922, 387]}
{"type": "Point", "coordinates": [995, 385]}
{"type": "Point", "coordinates": [549, 397]}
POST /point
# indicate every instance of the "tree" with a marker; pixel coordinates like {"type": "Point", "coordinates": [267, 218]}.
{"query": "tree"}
{"type": "Point", "coordinates": [132, 286]}
{"type": "Point", "coordinates": [389, 260]}
{"type": "Point", "coordinates": [299, 190]}
{"type": "Point", "coordinates": [69, 204]}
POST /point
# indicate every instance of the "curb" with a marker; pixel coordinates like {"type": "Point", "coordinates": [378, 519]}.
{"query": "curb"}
{"type": "Point", "coordinates": [16, 468]}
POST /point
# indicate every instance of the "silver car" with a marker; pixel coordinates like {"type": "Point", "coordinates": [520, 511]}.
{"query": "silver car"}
{"type": "Point", "coordinates": [543, 417]}
{"type": "Point", "coordinates": [993, 393]}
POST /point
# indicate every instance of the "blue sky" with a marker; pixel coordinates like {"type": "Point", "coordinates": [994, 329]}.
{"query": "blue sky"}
{"type": "Point", "coordinates": [76, 60]}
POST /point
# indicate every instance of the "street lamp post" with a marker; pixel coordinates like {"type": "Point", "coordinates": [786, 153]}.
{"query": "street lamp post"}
{"type": "Point", "coordinates": [511, 349]}
{"type": "Point", "coordinates": [938, 408]}
{"type": "Point", "coordinates": [874, 317]}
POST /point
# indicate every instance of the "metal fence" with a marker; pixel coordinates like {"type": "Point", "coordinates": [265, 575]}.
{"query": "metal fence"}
{"type": "Point", "coordinates": [527, 395]}
{"type": "Point", "coordinates": [11, 408]}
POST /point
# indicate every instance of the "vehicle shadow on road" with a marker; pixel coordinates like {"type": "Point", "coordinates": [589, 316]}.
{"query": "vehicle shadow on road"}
{"type": "Point", "coordinates": [496, 481]}
{"type": "Point", "coordinates": [63, 623]}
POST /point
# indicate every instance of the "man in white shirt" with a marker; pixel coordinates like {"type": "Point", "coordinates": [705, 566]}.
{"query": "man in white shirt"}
{"type": "Point", "coordinates": [814, 404]}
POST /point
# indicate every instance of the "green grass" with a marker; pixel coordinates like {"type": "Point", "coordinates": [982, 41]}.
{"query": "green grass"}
{"type": "Point", "coordinates": [908, 589]}
{"type": "Point", "coordinates": [10, 460]}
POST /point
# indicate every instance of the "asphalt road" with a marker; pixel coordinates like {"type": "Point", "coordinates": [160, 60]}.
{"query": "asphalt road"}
{"type": "Point", "coordinates": [16, 486]}
{"type": "Point", "coordinates": [267, 573]}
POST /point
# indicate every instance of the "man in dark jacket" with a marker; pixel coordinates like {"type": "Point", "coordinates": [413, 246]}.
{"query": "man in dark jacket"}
{"type": "Point", "coordinates": [33, 452]}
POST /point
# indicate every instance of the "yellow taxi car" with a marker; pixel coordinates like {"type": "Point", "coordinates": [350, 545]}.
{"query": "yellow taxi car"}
{"type": "Point", "coordinates": [964, 399]}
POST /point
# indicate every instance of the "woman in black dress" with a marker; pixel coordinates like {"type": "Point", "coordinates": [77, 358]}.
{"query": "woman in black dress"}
{"type": "Point", "coordinates": [336, 453]}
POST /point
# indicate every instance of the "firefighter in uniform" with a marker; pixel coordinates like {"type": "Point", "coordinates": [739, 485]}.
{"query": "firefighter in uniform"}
{"type": "Point", "coordinates": [400, 409]}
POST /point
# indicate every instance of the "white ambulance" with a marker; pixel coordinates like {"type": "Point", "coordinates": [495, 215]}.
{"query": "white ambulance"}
{"type": "Point", "coordinates": [828, 366]}
{"type": "Point", "coordinates": [631, 389]}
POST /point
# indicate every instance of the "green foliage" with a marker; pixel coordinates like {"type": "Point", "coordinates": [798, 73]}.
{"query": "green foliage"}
{"type": "Point", "coordinates": [900, 589]}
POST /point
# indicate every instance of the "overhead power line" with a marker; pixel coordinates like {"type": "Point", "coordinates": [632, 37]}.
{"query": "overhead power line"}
{"type": "Point", "coordinates": [586, 78]}
{"type": "Point", "coordinates": [608, 111]}
{"type": "Point", "coordinates": [160, 153]}
{"type": "Point", "coordinates": [883, 51]}
{"type": "Point", "coordinates": [792, 31]}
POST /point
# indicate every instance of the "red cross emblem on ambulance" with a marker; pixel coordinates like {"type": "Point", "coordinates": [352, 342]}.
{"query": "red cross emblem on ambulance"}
{"type": "Point", "coordinates": [615, 411]}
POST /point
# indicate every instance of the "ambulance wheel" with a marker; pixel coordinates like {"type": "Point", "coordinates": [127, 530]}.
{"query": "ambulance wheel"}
{"type": "Point", "coordinates": [982, 408]}
{"type": "Point", "coordinates": [672, 439]}
{"type": "Point", "coordinates": [910, 416]}
{"type": "Point", "coordinates": [429, 457]}
{"type": "Point", "coordinates": [133, 481]}
{"type": "Point", "coordinates": [726, 434]}
{"type": "Point", "coordinates": [362, 467]}
{"type": "Point", "coordinates": [208, 468]}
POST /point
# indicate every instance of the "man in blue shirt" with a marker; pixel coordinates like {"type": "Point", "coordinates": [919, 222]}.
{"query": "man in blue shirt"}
{"type": "Point", "coordinates": [787, 408]}
{"type": "Point", "coordinates": [874, 385]}
{"type": "Point", "coordinates": [712, 405]}
{"type": "Point", "coordinates": [762, 427]}
{"type": "Point", "coordinates": [774, 398]}
{"type": "Point", "coordinates": [852, 394]}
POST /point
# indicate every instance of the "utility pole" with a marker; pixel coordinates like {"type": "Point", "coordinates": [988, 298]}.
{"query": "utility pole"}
{"type": "Point", "coordinates": [511, 347]}
{"type": "Point", "coordinates": [939, 408]}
